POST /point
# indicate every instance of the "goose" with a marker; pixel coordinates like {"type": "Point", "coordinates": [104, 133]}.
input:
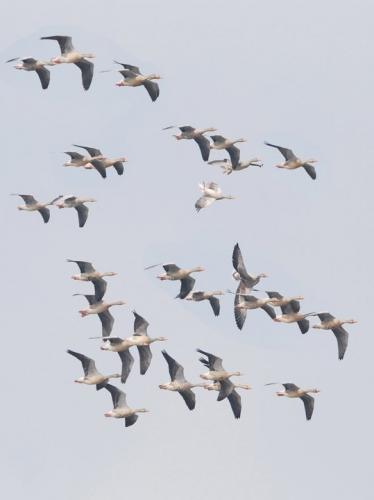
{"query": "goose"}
{"type": "Point", "coordinates": [292, 161]}
{"type": "Point", "coordinates": [78, 160]}
{"type": "Point", "coordinates": [188, 132]}
{"type": "Point", "coordinates": [71, 201]}
{"type": "Point", "coordinates": [220, 142]}
{"type": "Point", "coordinates": [217, 373]}
{"type": "Point", "coordinates": [91, 375]}
{"type": "Point", "coordinates": [291, 314]}
{"type": "Point", "coordinates": [329, 322]}
{"type": "Point", "coordinates": [120, 407]}
{"type": "Point", "coordinates": [32, 205]}
{"type": "Point", "coordinates": [279, 300]}
{"type": "Point", "coordinates": [132, 77]}
{"type": "Point", "coordinates": [101, 163]}
{"type": "Point", "coordinates": [178, 382]}
{"type": "Point", "coordinates": [70, 56]}
{"type": "Point", "coordinates": [102, 310]}
{"type": "Point", "coordinates": [247, 302]}
{"type": "Point", "coordinates": [233, 396]}
{"type": "Point", "coordinates": [31, 64]}
{"type": "Point", "coordinates": [89, 273]}
{"type": "Point", "coordinates": [140, 339]}
{"type": "Point", "coordinates": [210, 296]}
{"type": "Point", "coordinates": [293, 391]}
{"type": "Point", "coordinates": [211, 193]}
{"type": "Point", "coordinates": [174, 273]}
{"type": "Point", "coordinates": [228, 167]}
{"type": "Point", "coordinates": [241, 274]}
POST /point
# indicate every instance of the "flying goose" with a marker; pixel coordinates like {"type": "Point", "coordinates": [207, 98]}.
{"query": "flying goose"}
{"type": "Point", "coordinates": [187, 132]}
{"type": "Point", "coordinates": [78, 160]}
{"type": "Point", "coordinates": [71, 201]}
{"type": "Point", "coordinates": [91, 375]}
{"type": "Point", "coordinates": [279, 300]}
{"type": "Point", "coordinates": [70, 55]}
{"type": "Point", "coordinates": [217, 373]}
{"type": "Point", "coordinates": [101, 162]}
{"type": "Point", "coordinates": [174, 273]}
{"type": "Point", "coordinates": [291, 314]}
{"type": "Point", "coordinates": [32, 205]}
{"type": "Point", "coordinates": [178, 382]}
{"type": "Point", "coordinates": [220, 142]}
{"type": "Point", "coordinates": [293, 391]}
{"type": "Point", "coordinates": [211, 193]}
{"type": "Point", "coordinates": [227, 387]}
{"type": "Point", "coordinates": [329, 322]}
{"type": "Point", "coordinates": [132, 77]}
{"type": "Point", "coordinates": [292, 161]}
{"type": "Point", "coordinates": [140, 339]}
{"type": "Point", "coordinates": [102, 310]}
{"type": "Point", "coordinates": [210, 296]}
{"type": "Point", "coordinates": [31, 64]}
{"type": "Point", "coordinates": [228, 167]}
{"type": "Point", "coordinates": [89, 273]}
{"type": "Point", "coordinates": [247, 302]}
{"type": "Point", "coordinates": [241, 273]}
{"type": "Point", "coordinates": [120, 407]}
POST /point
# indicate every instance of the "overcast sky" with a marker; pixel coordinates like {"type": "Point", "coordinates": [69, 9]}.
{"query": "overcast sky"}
{"type": "Point", "coordinates": [294, 73]}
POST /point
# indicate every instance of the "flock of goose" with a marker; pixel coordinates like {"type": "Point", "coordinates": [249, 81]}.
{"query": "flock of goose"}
{"type": "Point", "coordinates": [216, 378]}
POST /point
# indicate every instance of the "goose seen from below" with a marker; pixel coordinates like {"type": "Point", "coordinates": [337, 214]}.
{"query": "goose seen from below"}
{"type": "Point", "coordinates": [31, 64]}
{"type": "Point", "coordinates": [32, 205]}
{"type": "Point", "coordinates": [293, 162]}
{"type": "Point", "coordinates": [101, 162]}
{"type": "Point", "coordinates": [175, 273]}
{"type": "Point", "coordinates": [71, 201]}
{"type": "Point", "coordinates": [329, 322]}
{"type": "Point", "coordinates": [211, 192]}
{"type": "Point", "coordinates": [121, 408]}
{"type": "Point", "coordinates": [102, 310]}
{"type": "Point", "coordinates": [188, 132]}
{"type": "Point", "coordinates": [91, 375]}
{"type": "Point", "coordinates": [220, 142]}
{"type": "Point", "coordinates": [89, 273]}
{"type": "Point", "coordinates": [248, 302]}
{"type": "Point", "coordinates": [293, 391]}
{"type": "Point", "coordinates": [210, 297]}
{"type": "Point", "coordinates": [132, 77]}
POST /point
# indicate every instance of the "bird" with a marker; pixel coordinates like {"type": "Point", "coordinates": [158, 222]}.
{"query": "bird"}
{"type": "Point", "coordinates": [293, 391]}
{"type": "Point", "coordinates": [217, 373]}
{"type": "Point", "coordinates": [188, 132]}
{"type": "Point", "coordinates": [102, 310]}
{"type": "Point", "coordinates": [329, 322]}
{"type": "Point", "coordinates": [140, 339]}
{"type": "Point", "coordinates": [228, 167]}
{"type": "Point", "coordinates": [247, 302]}
{"type": "Point", "coordinates": [291, 314]}
{"type": "Point", "coordinates": [279, 300]}
{"type": "Point", "coordinates": [233, 396]}
{"type": "Point", "coordinates": [178, 382]}
{"type": "Point", "coordinates": [132, 77]}
{"type": "Point", "coordinates": [210, 296]}
{"type": "Point", "coordinates": [101, 163]}
{"type": "Point", "coordinates": [89, 273]}
{"type": "Point", "coordinates": [174, 273]}
{"type": "Point", "coordinates": [292, 161]}
{"type": "Point", "coordinates": [32, 205]}
{"type": "Point", "coordinates": [78, 160]}
{"type": "Point", "coordinates": [91, 375]}
{"type": "Point", "coordinates": [70, 55]}
{"type": "Point", "coordinates": [120, 407]}
{"type": "Point", "coordinates": [211, 193]}
{"type": "Point", "coordinates": [241, 274]}
{"type": "Point", "coordinates": [31, 64]}
{"type": "Point", "coordinates": [220, 142]}
{"type": "Point", "coordinates": [71, 201]}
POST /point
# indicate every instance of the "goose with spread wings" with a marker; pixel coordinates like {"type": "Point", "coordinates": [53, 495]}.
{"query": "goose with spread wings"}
{"type": "Point", "coordinates": [211, 192]}
{"type": "Point", "coordinates": [89, 273]}
{"type": "Point", "coordinates": [100, 308]}
{"type": "Point", "coordinates": [91, 375]}
{"type": "Point", "coordinates": [210, 297]}
{"type": "Point", "coordinates": [101, 162]}
{"type": "Point", "coordinates": [220, 142]}
{"type": "Point", "coordinates": [32, 205]}
{"type": "Point", "coordinates": [293, 162]}
{"type": "Point", "coordinates": [188, 132]}
{"type": "Point", "coordinates": [175, 273]}
{"type": "Point", "coordinates": [132, 77]}
{"type": "Point", "coordinates": [121, 408]}
{"type": "Point", "coordinates": [71, 201]}
{"type": "Point", "coordinates": [293, 391]}
{"type": "Point", "coordinates": [329, 322]}
{"type": "Point", "coordinates": [31, 64]}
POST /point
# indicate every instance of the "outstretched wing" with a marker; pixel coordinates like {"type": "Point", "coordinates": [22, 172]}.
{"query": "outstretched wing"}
{"type": "Point", "coordinates": [176, 370]}
{"type": "Point", "coordinates": [65, 42]}
{"type": "Point", "coordinates": [127, 362]}
{"type": "Point", "coordinates": [140, 324]}
{"type": "Point", "coordinates": [203, 202]}
{"type": "Point", "coordinates": [214, 302]}
{"type": "Point", "coordinates": [135, 69]}
{"type": "Point", "coordinates": [118, 166]}
{"type": "Point", "coordinates": [145, 357]}
{"type": "Point", "coordinates": [118, 397]}
{"type": "Point", "coordinates": [187, 285]}
{"type": "Point", "coordinates": [308, 404]}
{"type": "Point", "coordinates": [152, 88]}
{"type": "Point", "coordinates": [235, 401]}
{"type": "Point", "coordinates": [310, 170]}
{"type": "Point", "coordinates": [189, 398]}
{"type": "Point", "coordinates": [203, 144]}
{"type": "Point", "coordinates": [288, 154]}
{"type": "Point", "coordinates": [342, 338]}
{"type": "Point", "coordinates": [44, 76]}
{"type": "Point", "coordinates": [84, 267]}
{"type": "Point", "coordinates": [234, 153]}
{"type": "Point", "coordinates": [45, 213]}
{"type": "Point", "coordinates": [88, 364]}
{"type": "Point", "coordinates": [107, 322]}
{"type": "Point", "coordinates": [100, 288]}
{"type": "Point", "coordinates": [87, 70]}
{"type": "Point", "coordinates": [90, 151]}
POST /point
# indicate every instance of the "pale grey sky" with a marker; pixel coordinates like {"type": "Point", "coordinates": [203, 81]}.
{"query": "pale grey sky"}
{"type": "Point", "coordinates": [294, 73]}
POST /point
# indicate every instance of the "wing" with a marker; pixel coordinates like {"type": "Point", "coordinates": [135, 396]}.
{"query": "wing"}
{"type": "Point", "coordinates": [215, 363]}
{"type": "Point", "coordinates": [171, 268]}
{"type": "Point", "coordinates": [140, 324]}
{"type": "Point", "coordinates": [214, 302]}
{"type": "Point", "coordinates": [287, 153]}
{"type": "Point", "coordinates": [135, 69]}
{"type": "Point", "coordinates": [324, 316]}
{"type": "Point", "coordinates": [342, 337]}
{"type": "Point", "coordinates": [235, 401]}
{"type": "Point", "coordinates": [129, 421]}
{"type": "Point", "coordinates": [91, 299]}
{"type": "Point", "coordinates": [203, 144]}
{"type": "Point", "coordinates": [126, 73]}
{"type": "Point", "coordinates": [87, 70]}
{"type": "Point", "coordinates": [269, 310]}
{"type": "Point", "coordinates": [187, 285]}
{"type": "Point", "coordinates": [88, 364]}
{"type": "Point", "coordinates": [44, 76]}
{"type": "Point", "coordinates": [82, 214]}
{"type": "Point", "coordinates": [308, 404]}
{"type": "Point", "coordinates": [176, 370]}
{"type": "Point", "coordinates": [74, 156]}
{"type": "Point", "coordinates": [145, 357]}
{"type": "Point", "coordinates": [189, 398]}
{"type": "Point", "coordinates": [100, 288]}
{"type": "Point", "coordinates": [84, 267]}
{"type": "Point", "coordinates": [186, 128]}
{"type": "Point", "coordinates": [238, 262]}
{"type": "Point", "coordinates": [107, 321]}
{"type": "Point", "coordinates": [203, 202]}
{"type": "Point", "coordinates": [217, 139]}
{"type": "Point", "coordinates": [27, 198]}
{"type": "Point", "coordinates": [118, 397]}
{"type": "Point", "coordinates": [90, 151]}
{"type": "Point", "coordinates": [234, 153]}
{"type": "Point", "coordinates": [295, 305]}
{"type": "Point", "coordinates": [290, 387]}
{"type": "Point", "coordinates": [100, 167]}
{"type": "Point", "coordinates": [118, 166]}
{"type": "Point", "coordinates": [127, 362]}
{"type": "Point", "coordinates": [65, 42]}
{"type": "Point", "coordinates": [152, 88]}
{"type": "Point", "coordinates": [274, 295]}
{"type": "Point", "coordinates": [45, 213]}
{"type": "Point", "coordinates": [303, 325]}
{"type": "Point", "coordinates": [240, 314]}
{"type": "Point", "coordinates": [310, 170]}
{"type": "Point", "coordinates": [226, 388]}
